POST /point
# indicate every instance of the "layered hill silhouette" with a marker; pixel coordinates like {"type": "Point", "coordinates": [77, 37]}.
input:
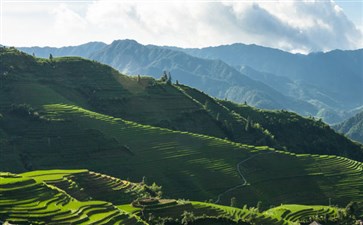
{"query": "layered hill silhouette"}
{"type": "Point", "coordinates": [326, 85]}
{"type": "Point", "coordinates": [352, 127]}
{"type": "Point", "coordinates": [212, 76]}
{"type": "Point", "coordinates": [71, 113]}
{"type": "Point", "coordinates": [330, 81]}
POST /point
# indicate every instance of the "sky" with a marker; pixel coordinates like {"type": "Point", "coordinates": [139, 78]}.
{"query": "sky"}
{"type": "Point", "coordinates": [298, 26]}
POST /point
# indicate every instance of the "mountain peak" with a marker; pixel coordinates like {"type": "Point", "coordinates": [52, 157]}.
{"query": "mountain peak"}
{"type": "Point", "coordinates": [125, 41]}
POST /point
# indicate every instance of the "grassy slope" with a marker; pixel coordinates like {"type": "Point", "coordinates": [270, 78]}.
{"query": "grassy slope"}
{"type": "Point", "coordinates": [187, 165]}
{"type": "Point", "coordinates": [30, 198]}
{"type": "Point", "coordinates": [298, 134]}
{"type": "Point", "coordinates": [100, 88]}
{"type": "Point", "coordinates": [296, 213]}
{"type": "Point", "coordinates": [72, 80]}
{"type": "Point", "coordinates": [86, 185]}
{"type": "Point", "coordinates": [25, 201]}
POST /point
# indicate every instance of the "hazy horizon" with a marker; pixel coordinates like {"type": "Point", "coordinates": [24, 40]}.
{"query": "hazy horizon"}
{"type": "Point", "coordinates": [293, 26]}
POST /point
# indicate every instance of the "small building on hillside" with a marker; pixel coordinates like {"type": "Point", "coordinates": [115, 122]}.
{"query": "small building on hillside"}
{"type": "Point", "coordinates": [315, 223]}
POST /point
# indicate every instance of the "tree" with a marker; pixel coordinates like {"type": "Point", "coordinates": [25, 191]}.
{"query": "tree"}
{"type": "Point", "coordinates": [187, 217]}
{"type": "Point", "coordinates": [168, 81]}
{"type": "Point", "coordinates": [344, 218]}
{"type": "Point", "coordinates": [164, 77]}
{"type": "Point", "coordinates": [352, 209]}
{"type": "Point", "coordinates": [156, 190]}
{"type": "Point", "coordinates": [234, 202]}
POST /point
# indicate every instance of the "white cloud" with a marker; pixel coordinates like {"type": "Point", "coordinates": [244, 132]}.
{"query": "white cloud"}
{"type": "Point", "coordinates": [296, 26]}
{"type": "Point", "coordinates": [67, 21]}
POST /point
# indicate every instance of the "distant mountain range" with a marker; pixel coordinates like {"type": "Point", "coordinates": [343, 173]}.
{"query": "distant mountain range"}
{"type": "Point", "coordinates": [326, 85]}
{"type": "Point", "coordinates": [352, 127]}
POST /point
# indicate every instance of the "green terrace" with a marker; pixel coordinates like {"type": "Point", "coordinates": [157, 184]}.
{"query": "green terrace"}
{"type": "Point", "coordinates": [25, 201]}
{"type": "Point", "coordinates": [187, 165]}
{"type": "Point", "coordinates": [34, 197]}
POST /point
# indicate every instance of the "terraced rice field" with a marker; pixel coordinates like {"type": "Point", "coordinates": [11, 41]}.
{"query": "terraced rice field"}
{"type": "Point", "coordinates": [133, 151]}
{"type": "Point", "coordinates": [296, 213]}
{"type": "Point", "coordinates": [86, 185]}
{"type": "Point", "coordinates": [205, 210]}
{"type": "Point", "coordinates": [24, 200]}
{"type": "Point", "coordinates": [186, 165]}
{"type": "Point", "coordinates": [322, 178]}
{"type": "Point", "coordinates": [30, 198]}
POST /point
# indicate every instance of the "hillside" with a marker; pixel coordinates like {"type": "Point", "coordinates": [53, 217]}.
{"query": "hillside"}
{"type": "Point", "coordinates": [330, 81]}
{"type": "Point", "coordinates": [307, 84]}
{"type": "Point", "coordinates": [298, 134]}
{"type": "Point", "coordinates": [352, 127]}
{"type": "Point", "coordinates": [52, 197]}
{"type": "Point", "coordinates": [54, 117]}
{"type": "Point", "coordinates": [214, 77]}
{"type": "Point", "coordinates": [28, 201]}
{"type": "Point", "coordinates": [84, 50]}
{"type": "Point", "coordinates": [75, 81]}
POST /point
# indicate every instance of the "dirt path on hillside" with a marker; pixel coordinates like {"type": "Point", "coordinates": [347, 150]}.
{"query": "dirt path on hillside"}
{"type": "Point", "coordinates": [245, 182]}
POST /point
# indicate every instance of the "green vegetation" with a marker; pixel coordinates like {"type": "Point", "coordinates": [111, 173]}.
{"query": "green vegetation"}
{"type": "Point", "coordinates": [85, 185]}
{"type": "Point", "coordinates": [71, 113]}
{"type": "Point", "coordinates": [33, 82]}
{"type": "Point", "coordinates": [28, 201]}
{"type": "Point", "coordinates": [352, 127]}
{"type": "Point", "coordinates": [298, 134]}
{"type": "Point", "coordinates": [185, 164]}
{"type": "Point", "coordinates": [33, 198]}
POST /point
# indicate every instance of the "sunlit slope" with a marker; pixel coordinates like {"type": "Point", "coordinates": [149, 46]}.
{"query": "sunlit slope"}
{"type": "Point", "coordinates": [33, 198]}
{"type": "Point", "coordinates": [98, 87]}
{"type": "Point", "coordinates": [271, 177]}
{"type": "Point", "coordinates": [75, 81]}
{"type": "Point", "coordinates": [71, 137]}
{"type": "Point", "coordinates": [299, 134]}
{"type": "Point", "coordinates": [86, 185]}
{"type": "Point", "coordinates": [186, 165]}
{"type": "Point", "coordinates": [26, 201]}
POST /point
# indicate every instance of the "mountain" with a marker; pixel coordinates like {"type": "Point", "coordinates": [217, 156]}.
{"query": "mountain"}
{"type": "Point", "coordinates": [70, 113]}
{"type": "Point", "coordinates": [330, 81]}
{"type": "Point", "coordinates": [214, 77]}
{"type": "Point", "coordinates": [99, 88]}
{"type": "Point", "coordinates": [325, 85]}
{"type": "Point", "coordinates": [83, 50]}
{"type": "Point", "coordinates": [352, 127]}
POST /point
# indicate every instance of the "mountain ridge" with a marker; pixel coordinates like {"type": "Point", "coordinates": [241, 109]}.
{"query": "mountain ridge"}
{"type": "Point", "coordinates": [70, 112]}
{"type": "Point", "coordinates": [352, 127]}
{"type": "Point", "coordinates": [212, 76]}
{"type": "Point", "coordinates": [322, 74]}
{"type": "Point", "coordinates": [327, 98]}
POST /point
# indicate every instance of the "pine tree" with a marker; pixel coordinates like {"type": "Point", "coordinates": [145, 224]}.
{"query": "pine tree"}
{"type": "Point", "coordinates": [168, 81]}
